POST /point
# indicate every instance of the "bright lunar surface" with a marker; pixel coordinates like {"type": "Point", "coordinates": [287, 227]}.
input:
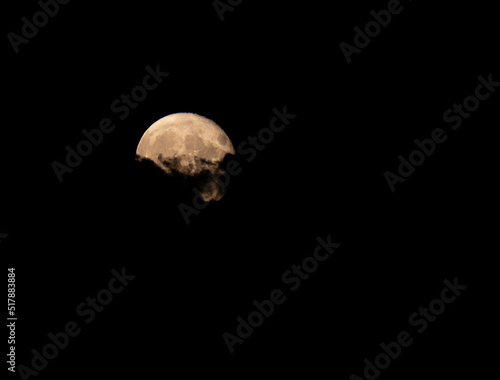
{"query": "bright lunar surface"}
{"type": "Point", "coordinates": [189, 144]}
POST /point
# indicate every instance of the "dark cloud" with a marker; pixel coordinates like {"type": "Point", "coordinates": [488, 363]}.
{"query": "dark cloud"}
{"type": "Point", "coordinates": [198, 174]}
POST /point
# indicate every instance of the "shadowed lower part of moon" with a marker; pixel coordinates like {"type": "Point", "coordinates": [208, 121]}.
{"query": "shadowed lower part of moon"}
{"type": "Point", "coordinates": [188, 145]}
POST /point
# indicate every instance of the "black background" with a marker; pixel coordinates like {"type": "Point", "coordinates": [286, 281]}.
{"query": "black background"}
{"type": "Point", "coordinates": [322, 175]}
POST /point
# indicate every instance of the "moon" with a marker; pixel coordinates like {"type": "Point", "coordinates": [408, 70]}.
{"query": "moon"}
{"type": "Point", "coordinates": [188, 144]}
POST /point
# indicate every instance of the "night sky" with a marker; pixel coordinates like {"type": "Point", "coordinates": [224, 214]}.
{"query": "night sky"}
{"type": "Point", "coordinates": [339, 170]}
